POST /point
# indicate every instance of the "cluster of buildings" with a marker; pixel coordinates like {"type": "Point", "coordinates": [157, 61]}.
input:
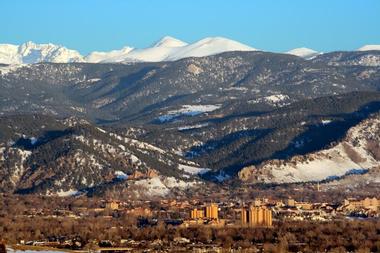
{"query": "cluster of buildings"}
{"type": "Point", "coordinates": [261, 211]}
{"type": "Point", "coordinates": [254, 216]}
{"type": "Point", "coordinates": [371, 204]}
{"type": "Point", "coordinates": [293, 210]}
{"type": "Point", "coordinates": [208, 214]}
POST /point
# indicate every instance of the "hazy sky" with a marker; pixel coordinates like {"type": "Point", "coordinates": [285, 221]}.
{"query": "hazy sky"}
{"type": "Point", "coordinates": [273, 25]}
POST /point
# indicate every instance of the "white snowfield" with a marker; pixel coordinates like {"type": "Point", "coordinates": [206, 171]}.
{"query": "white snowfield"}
{"type": "Point", "coordinates": [192, 169]}
{"type": "Point", "coordinates": [330, 163]}
{"type": "Point", "coordinates": [188, 110]}
{"type": "Point", "coordinates": [304, 52]}
{"type": "Point", "coordinates": [71, 192]}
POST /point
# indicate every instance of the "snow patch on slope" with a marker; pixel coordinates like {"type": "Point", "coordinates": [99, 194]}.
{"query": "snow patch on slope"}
{"type": "Point", "coordinates": [121, 175]}
{"type": "Point", "coordinates": [192, 170]}
{"type": "Point", "coordinates": [188, 110]}
{"type": "Point", "coordinates": [68, 193]}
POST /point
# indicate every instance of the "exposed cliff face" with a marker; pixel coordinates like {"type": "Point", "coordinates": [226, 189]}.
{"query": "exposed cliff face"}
{"type": "Point", "coordinates": [357, 153]}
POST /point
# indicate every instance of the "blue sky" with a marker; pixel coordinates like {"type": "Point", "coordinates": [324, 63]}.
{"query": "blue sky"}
{"type": "Point", "coordinates": [273, 25]}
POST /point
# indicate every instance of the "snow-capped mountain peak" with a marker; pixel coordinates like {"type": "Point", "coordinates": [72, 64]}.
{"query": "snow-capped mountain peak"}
{"type": "Point", "coordinates": [31, 52]}
{"type": "Point", "coordinates": [168, 41]}
{"type": "Point", "coordinates": [369, 48]}
{"type": "Point", "coordinates": [304, 52]}
{"type": "Point", "coordinates": [8, 54]}
{"type": "Point", "coordinates": [209, 46]}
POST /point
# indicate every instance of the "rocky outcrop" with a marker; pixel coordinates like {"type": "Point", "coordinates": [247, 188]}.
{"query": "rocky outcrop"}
{"type": "Point", "coordinates": [194, 69]}
{"type": "Point", "coordinates": [150, 173]}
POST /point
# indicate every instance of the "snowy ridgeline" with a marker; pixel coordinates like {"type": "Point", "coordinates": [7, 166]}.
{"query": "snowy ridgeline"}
{"type": "Point", "coordinates": [167, 49]}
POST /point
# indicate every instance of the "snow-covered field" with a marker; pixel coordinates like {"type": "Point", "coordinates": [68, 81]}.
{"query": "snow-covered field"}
{"type": "Point", "coordinates": [192, 170]}
{"type": "Point", "coordinates": [68, 193]}
{"type": "Point", "coordinates": [188, 110]}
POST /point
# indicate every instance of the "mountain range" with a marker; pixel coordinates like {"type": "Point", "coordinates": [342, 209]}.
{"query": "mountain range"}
{"type": "Point", "coordinates": [239, 117]}
{"type": "Point", "coordinates": [166, 49]}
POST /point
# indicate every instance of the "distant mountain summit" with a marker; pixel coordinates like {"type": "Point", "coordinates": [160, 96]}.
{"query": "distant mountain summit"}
{"type": "Point", "coordinates": [209, 46]}
{"type": "Point", "coordinates": [369, 47]}
{"type": "Point", "coordinates": [304, 52]}
{"type": "Point", "coordinates": [168, 41]}
{"type": "Point", "coordinates": [171, 49]}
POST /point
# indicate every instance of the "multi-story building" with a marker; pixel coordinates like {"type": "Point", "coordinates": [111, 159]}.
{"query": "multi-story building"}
{"type": "Point", "coordinates": [256, 217]}
{"type": "Point", "coordinates": [212, 211]}
{"type": "Point", "coordinates": [209, 212]}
